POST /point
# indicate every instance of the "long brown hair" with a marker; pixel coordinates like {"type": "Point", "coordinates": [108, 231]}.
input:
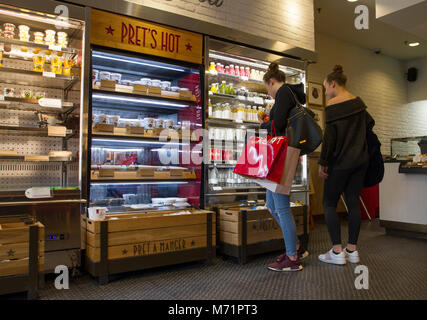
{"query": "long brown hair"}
{"type": "Point", "coordinates": [338, 76]}
{"type": "Point", "coordinates": [274, 73]}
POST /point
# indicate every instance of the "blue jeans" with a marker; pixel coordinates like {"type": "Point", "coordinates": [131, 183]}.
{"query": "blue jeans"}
{"type": "Point", "coordinates": [281, 211]}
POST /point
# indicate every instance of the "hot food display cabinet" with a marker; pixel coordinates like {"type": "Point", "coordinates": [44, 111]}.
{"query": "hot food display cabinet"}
{"type": "Point", "coordinates": [40, 104]}
{"type": "Point", "coordinates": [143, 142]}
{"type": "Point", "coordinates": [236, 95]}
{"type": "Point", "coordinates": [145, 146]}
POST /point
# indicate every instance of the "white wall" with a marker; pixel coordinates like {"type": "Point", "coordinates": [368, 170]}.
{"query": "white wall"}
{"type": "Point", "coordinates": [381, 82]}
{"type": "Point", "coordinates": [287, 21]}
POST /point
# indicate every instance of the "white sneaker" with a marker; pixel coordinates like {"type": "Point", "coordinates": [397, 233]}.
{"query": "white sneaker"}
{"type": "Point", "coordinates": [352, 257]}
{"type": "Point", "coordinates": [333, 258]}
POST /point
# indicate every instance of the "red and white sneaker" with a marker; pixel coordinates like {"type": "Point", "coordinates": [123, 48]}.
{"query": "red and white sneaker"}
{"type": "Point", "coordinates": [302, 254]}
{"type": "Point", "coordinates": [286, 264]}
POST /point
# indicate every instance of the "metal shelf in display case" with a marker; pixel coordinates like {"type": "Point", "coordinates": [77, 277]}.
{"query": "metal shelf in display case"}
{"type": "Point", "coordinates": [132, 102]}
{"type": "Point", "coordinates": [38, 79]}
{"type": "Point", "coordinates": [22, 104]}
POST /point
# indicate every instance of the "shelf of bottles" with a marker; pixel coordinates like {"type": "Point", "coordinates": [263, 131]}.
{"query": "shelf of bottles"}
{"type": "Point", "coordinates": [145, 153]}
{"type": "Point", "coordinates": [40, 87]}
{"type": "Point", "coordinates": [237, 97]}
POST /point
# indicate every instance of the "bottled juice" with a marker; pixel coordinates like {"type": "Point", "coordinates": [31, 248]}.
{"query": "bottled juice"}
{"type": "Point", "coordinates": [223, 88]}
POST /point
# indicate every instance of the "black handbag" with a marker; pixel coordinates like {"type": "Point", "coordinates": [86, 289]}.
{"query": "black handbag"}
{"type": "Point", "coordinates": [303, 131]}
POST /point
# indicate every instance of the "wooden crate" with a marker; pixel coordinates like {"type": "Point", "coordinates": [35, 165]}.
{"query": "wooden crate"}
{"type": "Point", "coordinates": [146, 234]}
{"type": "Point", "coordinates": [14, 248]}
{"type": "Point", "coordinates": [261, 226]}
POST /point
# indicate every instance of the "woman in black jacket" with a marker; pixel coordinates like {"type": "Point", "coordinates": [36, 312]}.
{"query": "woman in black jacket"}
{"type": "Point", "coordinates": [343, 163]}
{"type": "Point", "coordinates": [275, 83]}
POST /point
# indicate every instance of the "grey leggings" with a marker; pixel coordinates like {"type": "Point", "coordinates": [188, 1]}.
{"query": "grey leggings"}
{"type": "Point", "coordinates": [351, 183]}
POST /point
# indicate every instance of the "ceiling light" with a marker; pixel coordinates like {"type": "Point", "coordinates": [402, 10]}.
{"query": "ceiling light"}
{"type": "Point", "coordinates": [143, 101]}
{"type": "Point", "coordinates": [412, 43]}
{"type": "Point", "coordinates": [128, 60]}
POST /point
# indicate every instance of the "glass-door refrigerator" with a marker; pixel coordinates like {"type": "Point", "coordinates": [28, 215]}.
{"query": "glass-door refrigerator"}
{"type": "Point", "coordinates": [235, 96]}
{"type": "Point", "coordinates": [145, 132]}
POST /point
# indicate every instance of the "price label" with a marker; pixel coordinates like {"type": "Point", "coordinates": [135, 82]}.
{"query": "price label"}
{"type": "Point", "coordinates": [49, 74]}
{"type": "Point", "coordinates": [258, 100]}
{"type": "Point", "coordinates": [243, 98]}
{"type": "Point", "coordinates": [1, 98]}
{"type": "Point", "coordinates": [238, 121]}
{"type": "Point", "coordinates": [50, 103]}
{"type": "Point", "coordinates": [55, 48]}
{"type": "Point", "coordinates": [56, 131]}
{"type": "Point", "coordinates": [217, 188]}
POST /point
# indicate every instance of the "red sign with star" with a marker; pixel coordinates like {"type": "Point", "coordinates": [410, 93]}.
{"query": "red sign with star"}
{"type": "Point", "coordinates": [116, 31]}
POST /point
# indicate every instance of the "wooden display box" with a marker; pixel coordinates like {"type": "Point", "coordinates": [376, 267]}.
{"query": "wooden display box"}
{"type": "Point", "coordinates": [129, 242]}
{"type": "Point", "coordinates": [185, 95]}
{"type": "Point", "coordinates": [244, 232]}
{"type": "Point", "coordinates": [102, 127]}
{"type": "Point", "coordinates": [21, 257]}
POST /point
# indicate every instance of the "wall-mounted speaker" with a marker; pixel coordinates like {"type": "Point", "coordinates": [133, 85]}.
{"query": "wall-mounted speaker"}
{"type": "Point", "coordinates": [412, 74]}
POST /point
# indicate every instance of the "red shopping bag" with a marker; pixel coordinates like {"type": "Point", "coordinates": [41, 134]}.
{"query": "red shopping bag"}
{"type": "Point", "coordinates": [263, 158]}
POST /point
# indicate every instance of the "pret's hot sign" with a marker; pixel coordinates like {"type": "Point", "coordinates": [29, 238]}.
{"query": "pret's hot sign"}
{"type": "Point", "coordinates": [116, 31]}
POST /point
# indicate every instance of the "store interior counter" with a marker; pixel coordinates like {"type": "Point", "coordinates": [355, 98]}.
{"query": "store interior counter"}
{"type": "Point", "coordinates": [403, 201]}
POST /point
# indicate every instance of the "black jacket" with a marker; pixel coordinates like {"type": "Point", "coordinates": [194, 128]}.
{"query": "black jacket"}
{"type": "Point", "coordinates": [284, 102]}
{"type": "Point", "coordinates": [344, 142]}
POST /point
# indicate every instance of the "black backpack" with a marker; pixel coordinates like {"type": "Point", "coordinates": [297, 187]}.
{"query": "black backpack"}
{"type": "Point", "coordinates": [375, 173]}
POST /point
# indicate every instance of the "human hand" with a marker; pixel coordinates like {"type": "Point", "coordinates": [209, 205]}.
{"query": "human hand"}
{"type": "Point", "coordinates": [263, 118]}
{"type": "Point", "coordinates": [323, 172]}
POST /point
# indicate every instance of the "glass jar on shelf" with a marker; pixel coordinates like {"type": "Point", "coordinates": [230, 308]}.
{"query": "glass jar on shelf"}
{"type": "Point", "coordinates": [210, 112]}
{"type": "Point", "coordinates": [242, 72]}
{"type": "Point", "coordinates": [241, 112]}
{"type": "Point", "coordinates": [214, 87]}
{"type": "Point", "coordinates": [231, 90]}
{"type": "Point", "coordinates": [212, 67]}
{"type": "Point", "coordinates": [234, 112]}
{"type": "Point", "coordinates": [223, 88]}
{"type": "Point", "coordinates": [226, 111]}
{"type": "Point", "coordinates": [254, 114]}
{"type": "Point", "coordinates": [232, 71]}
{"type": "Point", "coordinates": [237, 71]}
{"type": "Point", "coordinates": [247, 72]}
{"type": "Point", "coordinates": [217, 113]}
{"type": "Point", "coordinates": [248, 111]}
{"type": "Point", "coordinates": [253, 74]}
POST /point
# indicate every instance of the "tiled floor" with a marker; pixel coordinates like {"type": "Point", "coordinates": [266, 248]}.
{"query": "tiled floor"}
{"type": "Point", "coordinates": [397, 270]}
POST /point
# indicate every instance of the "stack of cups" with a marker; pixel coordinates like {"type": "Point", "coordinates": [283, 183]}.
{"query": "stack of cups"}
{"type": "Point", "coordinates": [50, 37]}
{"type": "Point", "coordinates": [9, 31]}
{"type": "Point", "coordinates": [24, 33]}
{"type": "Point", "coordinates": [62, 39]}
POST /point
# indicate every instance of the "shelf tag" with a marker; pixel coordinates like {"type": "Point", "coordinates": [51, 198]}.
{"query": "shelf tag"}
{"type": "Point", "coordinates": [238, 121]}
{"type": "Point", "coordinates": [1, 98]}
{"type": "Point", "coordinates": [216, 188]}
{"type": "Point", "coordinates": [243, 98]}
{"type": "Point", "coordinates": [50, 103]}
{"type": "Point", "coordinates": [38, 193]}
{"type": "Point", "coordinates": [56, 131]}
{"type": "Point", "coordinates": [49, 74]}
{"type": "Point", "coordinates": [55, 47]}
{"type": "Point", "coordinates": [258, 100]}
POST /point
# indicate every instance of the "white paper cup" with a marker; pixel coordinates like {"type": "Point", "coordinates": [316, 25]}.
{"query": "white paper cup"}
{"type": "Point", "coordinates": [97, 213]}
